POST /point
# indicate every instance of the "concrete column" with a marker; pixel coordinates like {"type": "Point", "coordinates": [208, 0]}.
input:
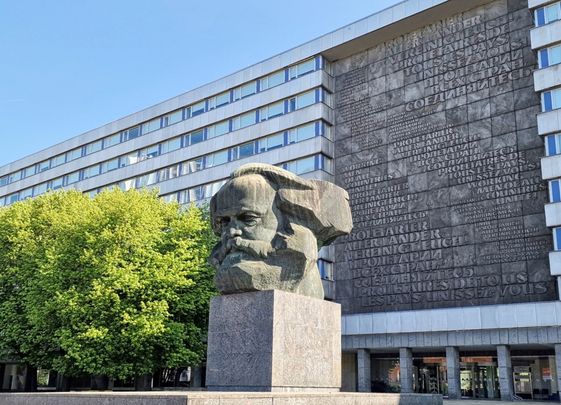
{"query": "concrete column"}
{"type": "Point", "coordinates": [558, 366]}
{"type": "Point", "coordinates": [453, 372]}
{"type": "Point", "coordinates": [505, 372]}
{"type": "Point", "coordinates": [364, 380]}
{"type": "Point", "coordinates": [406, 369]}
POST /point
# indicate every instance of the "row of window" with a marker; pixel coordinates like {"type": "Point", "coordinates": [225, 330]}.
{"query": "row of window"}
{"type": "Point", "coordinates": [549, 56]}
{"type": "Point", "coordinates": [205, 191]}
{"type": "Point", "coordinates": [547, 14]}
{"type": "Point", "coordinates": [264, 144]}
{"type": "Point", "coordinates": [252, 117]}
{"type": "Point", "coordinates": [193, 110]}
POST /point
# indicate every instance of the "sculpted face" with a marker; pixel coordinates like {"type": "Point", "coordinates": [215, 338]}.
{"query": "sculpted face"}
{"type": "Point", "coordinates": [259, 249]}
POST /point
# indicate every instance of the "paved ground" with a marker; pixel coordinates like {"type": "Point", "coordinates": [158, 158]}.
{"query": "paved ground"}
{"type": "Point", "coordinates": [490, 402]}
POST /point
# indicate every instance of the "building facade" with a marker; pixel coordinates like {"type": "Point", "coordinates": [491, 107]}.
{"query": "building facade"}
{"type": "Point", "coordinates": [442, 120]}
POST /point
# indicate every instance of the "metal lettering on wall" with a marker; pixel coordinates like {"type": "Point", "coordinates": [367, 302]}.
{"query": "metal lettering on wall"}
{"type": "Point", "coordinates": [436, 143]}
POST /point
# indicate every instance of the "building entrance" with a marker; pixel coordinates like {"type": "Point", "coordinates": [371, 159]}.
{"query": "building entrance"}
{"type": "Point", "coordinates": [479, 377]}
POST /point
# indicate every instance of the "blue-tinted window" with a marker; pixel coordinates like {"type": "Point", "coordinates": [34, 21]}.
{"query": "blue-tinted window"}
{"type": "Point", "coordinates": [197, 136]}
{"type": "Point", "coordinates": [546, 101]}
{"type": "Point", "coordinates": [557, 238]}
{"type": "Point", "coordinates": [553, 144]}
{"type": "Point", "coordinates": [246, 150]}
{"type": "Point", "coordinates": [555, 191]}
{"type": "Point", "coordinates": [197, 109]}
{"type": "Point", "coordinates": [325, 269]}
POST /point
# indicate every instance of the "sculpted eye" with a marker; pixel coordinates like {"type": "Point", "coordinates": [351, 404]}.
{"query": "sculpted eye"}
{"type": "Point", "coordinates": [221, 222]}
{"type": "Point", "coordinates": [248, 218]}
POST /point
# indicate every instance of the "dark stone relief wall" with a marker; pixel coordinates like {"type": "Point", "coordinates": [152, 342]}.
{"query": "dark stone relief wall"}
{"type": "Point", "coordinates": [436, 143]}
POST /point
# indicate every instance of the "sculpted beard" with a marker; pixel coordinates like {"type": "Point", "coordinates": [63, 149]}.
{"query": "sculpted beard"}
{"type": "Point", "coordinates": [249, 265]}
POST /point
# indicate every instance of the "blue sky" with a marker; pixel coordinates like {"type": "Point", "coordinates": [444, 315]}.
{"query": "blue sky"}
{"type": "Point", "coordinates": [68, 66]}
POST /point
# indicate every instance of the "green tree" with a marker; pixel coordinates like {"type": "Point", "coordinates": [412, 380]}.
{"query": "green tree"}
{"type": "Point", "coordinates": [116, 285]}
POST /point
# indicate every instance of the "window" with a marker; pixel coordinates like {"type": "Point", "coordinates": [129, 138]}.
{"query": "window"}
{"type": "Point", "coordinates": [553, 144]}
{"type": "Point", "coordinates": [218, 129]}
{"type": "Point", "coordinates": [243, 120]}
{"type": "Point", "coordinates": [73, 177]}
{"type": "Point", "coordinates": [246, 150]}
{"type": "Point", "coordinates": [551, 100]}
{"type": "Point", "coordinates": [129, 159]}
{"type": "Point", "coordinates": [549, 56]}
{"type": "Point", "coordinates": [274, 79]}
{"type": "Point", "coordinates": [27, 193]}
{"type": "Point", "coordinates": [149, 152]}
{"type": "Point", "coordinates": [545, 15]}
{"type": "Point", "coordinates": [197, 109]}
{"type": "Point", "coordinates": [147, 179]}
{"type": "Point", "coordinates": [272, 110]}
{"type": "Point", "coordinates": [246, 90]}
{"type": "Point", "coordinates": [110, 165]}
{"type": "Point", "coordinates": [197, 136]}
{"type": "Point", "coordinates": [302, 133]}
{"type": "Point", "coordinates": [126, 184]}
{"type": "Point", "coordinates": [93, 147]}
{"type": "Point", "coordinates": [325, 269]}
{"type": "Point", "coordinates": [173, 118]}
{"type": "Point", "coordinates": [41, 167]}
{"type": "Point", "coordinates": [151, 125]}
{"type": "Point", "coordinates": [217, 158]}
{"type": "Point", "coordinates": [171, 145]}
{"type": "Point", "coordinates": [555, 190]}
{"type": "Point", "coordinates": [111, 140]}
{"type": "Point", "coordinates": [13, 198]}
{"type": "Point", "coordinates": [131, 133]}
{"type": "Point", "coordinates": [220, 100]}
{"type": "Point", "coordinates": [304, 165]}
{"type": "Point", "coordinates": [169, 173]}
{"type": "Point", "coordinates": [302, 68]}
{"type": "Point", "coordinates": [325, 164]}
{"type": "Point", "coordinates": [271, 142]}
{"type": "Point", "coordinates": [170, 197]}
{"type": "Point", "coordinates": [73, 154]}
{"type": "Point", "coordinates": [30, 171]}
{"type": "Point", "coordinates": [192, 166]}
{"type": "Point", "coordinates": [39, 189]}
{"type": "Point", "coordinates": [16, 176]}
{"type": "Point", "coordinates": [91, 171]}
{"type": "Point", "coordinates": [57, 183]}
{"type": "Point", "coordinates": [56, 161]}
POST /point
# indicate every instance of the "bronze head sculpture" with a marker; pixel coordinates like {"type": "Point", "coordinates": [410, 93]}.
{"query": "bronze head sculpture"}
{"type": "Point", "coordinates": [271, 224]}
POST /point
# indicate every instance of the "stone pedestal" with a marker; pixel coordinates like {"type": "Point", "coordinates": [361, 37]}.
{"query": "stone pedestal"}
{"type": "Point", "coordinates": [273, 341]}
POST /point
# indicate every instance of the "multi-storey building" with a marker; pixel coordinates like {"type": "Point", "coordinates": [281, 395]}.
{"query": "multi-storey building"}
{"type": "Point", "coordinates": [442, 120]}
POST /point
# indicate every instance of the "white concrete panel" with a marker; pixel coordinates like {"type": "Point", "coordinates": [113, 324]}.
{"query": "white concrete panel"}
{"type": "Point", "coordinates": [506, 316]}
{"type": "Point", "coordinates": [553, 213]}
{"type": "Point", "coordinates": [547, 78]}
{"type": "Point", "coordinates": [538, 3]}
{"type": "Point", "coordinates": [438, 319]}
{"type": "Point", "coordinates": [365, 323]}
{"type": "Point", "coordinates": [545, 35]}
{"type": "Point", "coordinates": [490, 317]}
{"type": "Point", "coordinates": [549, 122]}
{"type": "Point", "coordinates": [472, 317]}
{"type": "Point", "coordinates": [555, 263]}
{"type": "Point", "coordinates": [551, 167]}
{"type": "Point", "coordinates": [523, 315]}
{"type": "Point", "coordinates": [352, 325]}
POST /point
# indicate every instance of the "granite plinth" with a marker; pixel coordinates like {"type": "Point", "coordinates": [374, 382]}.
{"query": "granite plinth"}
{"type": "Point", "coordinates": [273, 341]}
{"type": "Point", "coordinates": [216, 398]}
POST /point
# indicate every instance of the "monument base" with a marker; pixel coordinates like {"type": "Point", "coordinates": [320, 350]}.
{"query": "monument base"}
{"type": "Point", "coordinates": [273, 341]}
{"type": "Point", "coordinates": [216, 398]}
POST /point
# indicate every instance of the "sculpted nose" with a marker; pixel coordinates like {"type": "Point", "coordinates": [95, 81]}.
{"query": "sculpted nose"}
{"type": "Point", "coordinates": [233, 232]}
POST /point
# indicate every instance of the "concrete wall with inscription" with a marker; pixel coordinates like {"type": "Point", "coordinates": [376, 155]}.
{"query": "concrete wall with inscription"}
{"type": "Point", "coordinates": [437, 145]}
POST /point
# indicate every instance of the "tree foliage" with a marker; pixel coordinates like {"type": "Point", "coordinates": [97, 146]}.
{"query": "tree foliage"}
{"type": "Point", "coordinates": [116, 285]}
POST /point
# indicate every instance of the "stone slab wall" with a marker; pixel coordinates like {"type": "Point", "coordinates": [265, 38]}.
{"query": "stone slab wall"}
{"type": "Point", "coordinates": [436, 143]}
